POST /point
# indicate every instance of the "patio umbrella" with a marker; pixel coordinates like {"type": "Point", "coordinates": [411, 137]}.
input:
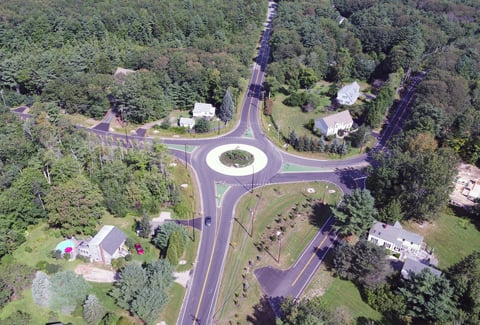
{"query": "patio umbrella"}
{"type": "Point", "coordinates": [68, 249]}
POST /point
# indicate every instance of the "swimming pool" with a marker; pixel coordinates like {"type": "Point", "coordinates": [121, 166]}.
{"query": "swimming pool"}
{"type": "Point", "coordinates": [65, 246]}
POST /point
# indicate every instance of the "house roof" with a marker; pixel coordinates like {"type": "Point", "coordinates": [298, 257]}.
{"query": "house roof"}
{"type": "Point", "coordinates": [342, 117]}
{"type": "Point", "coordinates": [394, 234]}
{"type": "Point", "coordinates": [475, 191]}
{"type": "Point", "coordinates": [415, 267]}
{"type": "Point", "coordinates": [187, 121]}
{"type": "Point", "coordinates": [349, 92]}
{"type": "Point", "coordinates": [110, 238]}
{"type": "Point", "coordinates": [203, 108]}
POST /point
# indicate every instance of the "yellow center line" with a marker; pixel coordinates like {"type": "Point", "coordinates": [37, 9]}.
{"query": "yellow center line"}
{"type": "Point", "coordinates": [311, 257]}
{"type": "Point", "coordinates": [206, 276]}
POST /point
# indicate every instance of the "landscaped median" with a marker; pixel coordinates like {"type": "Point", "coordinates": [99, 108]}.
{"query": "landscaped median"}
{"type": "Point", "coordinates": [272, 227]}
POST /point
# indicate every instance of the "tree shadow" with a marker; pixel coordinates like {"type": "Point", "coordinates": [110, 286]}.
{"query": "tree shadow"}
{"type": "Point", "coordinates": [262, 313]}
{"type": "Point", "coordinates": [352, 178]}
{"type": "Point", "coordinates": [320, 213]}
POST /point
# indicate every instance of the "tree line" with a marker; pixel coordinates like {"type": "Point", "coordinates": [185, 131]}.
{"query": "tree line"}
{"type": "Point", "coordinates": [183, 52]}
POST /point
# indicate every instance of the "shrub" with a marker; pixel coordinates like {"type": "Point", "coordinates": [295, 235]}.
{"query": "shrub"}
{"type": "Point", "coordinates": [128, 257]}
{"type": "Point", "coordinates": [28, 249]}
{"type": "Point", "coordinates": [41, 265]}
{"type": "Point", "coordinates": [52, 268]}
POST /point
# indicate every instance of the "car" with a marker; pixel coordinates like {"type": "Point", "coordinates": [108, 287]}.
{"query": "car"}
{"type": "Point", "coordinates": [139, 249]}
{"type": "Point", "coordinates": [208, 221]}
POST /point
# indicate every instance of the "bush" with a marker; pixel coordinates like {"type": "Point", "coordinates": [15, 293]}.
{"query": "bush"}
{"type": "Point", "coordinates": [57, 254]}
{"type": "Point", "coordinates": [128, 257]}
{"type": "Point", "coordinates": [41, 265]}
{"type": "Point", "coordinates": [67, 256]}
{"type": "Point", "coordinates": [28, 249]}
{"type": "Point", "coordinates": [52, 268]}
{"type": "Point", "coordinates": [165, 124]}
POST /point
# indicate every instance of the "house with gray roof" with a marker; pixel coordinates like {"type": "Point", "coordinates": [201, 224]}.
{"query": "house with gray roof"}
{"type": "Point", "coordinates": [411, 266]}
{"type": "Point", "coordinates": [107, 244]}
{"type": "Point", "coordinates": [396, 239]}
{"type": "Point", "coordinates": [348, 94]}
{"type": "Point", "coordinates": [331, 124]}
{"type": "Point", "coordinates": [203, 110]}
{"type": "Point", "coordinates": [186, 122]}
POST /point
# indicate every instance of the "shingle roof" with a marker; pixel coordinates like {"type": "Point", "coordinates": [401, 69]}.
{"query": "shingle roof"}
{"type": "Point", "coordinates": [343, 117]}
{"type": "Point", "coordinates": [394, 234]}
{"type": "Point", "coordinates": [415, 266]}
{"type": "Point", "coordinates": [203, 108]}
{"type": "Point", "coordinates": [110, 238]}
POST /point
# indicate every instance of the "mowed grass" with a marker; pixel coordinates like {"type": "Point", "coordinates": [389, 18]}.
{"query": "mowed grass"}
{"type": "Point", "coordinates": [172, 309]}
{"type": "Point", "coordinates": [344, 294]}
{"type": "Point", "coordinates": [243, 257]}
{"type": "Point", "coordinates": [452, 237]}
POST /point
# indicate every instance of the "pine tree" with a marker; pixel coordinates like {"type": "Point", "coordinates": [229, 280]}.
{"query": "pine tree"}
{"type": "Point", "coordinates": [321, 144]}
{"type": "Point", "coordinates": [226, 110]}
{"type": "Point", "coordinates": [41, 289]}
{"type": "Point", "coordinates": [172, 254]}
{"type": "Point", "coordinates": [93, 310]}
{"type": "Point", "coordinates": [144, 226]}
{"type": "Point", "coordinates": [292, 139]}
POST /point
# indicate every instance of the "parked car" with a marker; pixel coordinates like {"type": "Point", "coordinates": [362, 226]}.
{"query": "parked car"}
{"type": "Point", "coordinates": [208, 221]}
{"type": "Point", "coordinates": [139, 249]}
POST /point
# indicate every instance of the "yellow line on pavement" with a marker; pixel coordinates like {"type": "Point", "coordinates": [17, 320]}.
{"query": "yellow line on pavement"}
{"type": "Point", "coordinates": [206, 276]}
{"type": "Point", "coordinates": [311, 258]}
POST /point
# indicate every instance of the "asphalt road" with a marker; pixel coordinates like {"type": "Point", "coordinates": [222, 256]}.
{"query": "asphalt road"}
{"type": "Point", "coordinates": [202, 291]}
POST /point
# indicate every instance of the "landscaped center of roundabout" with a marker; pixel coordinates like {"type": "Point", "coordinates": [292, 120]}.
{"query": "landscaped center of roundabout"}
{"type": "Point", "coordinates": [236, 159]}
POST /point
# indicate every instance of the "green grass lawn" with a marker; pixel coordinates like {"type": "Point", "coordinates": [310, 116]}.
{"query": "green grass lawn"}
{"type": "Point", "coordinates": [268, 203]}
{"type": "Point", "coordinates": [172, 309]}
{"type": "Point", "coordinates": [452, 237]}
{"type": "Point", "coordinates": [345, 293]}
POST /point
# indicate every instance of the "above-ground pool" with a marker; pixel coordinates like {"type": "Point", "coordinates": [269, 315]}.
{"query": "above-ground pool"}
{"type": "Point", "coordinates": [66, 246]}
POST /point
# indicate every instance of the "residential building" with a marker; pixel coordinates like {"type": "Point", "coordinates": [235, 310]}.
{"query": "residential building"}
{"type": "Point", "coordinates": [348, 94]}
{"type": "Point", "coordinates": [186, 122]}
{"type": "Point", "coordinates": [413, 266]}
{"type": "Point", "coordinates": [203, 110]}
{"type": "Point", "coordinates": [107, 244]}
{"type": "Point", "coordinates": [395, 238]}
{"type": "Point", "coordinates": [331, 124]}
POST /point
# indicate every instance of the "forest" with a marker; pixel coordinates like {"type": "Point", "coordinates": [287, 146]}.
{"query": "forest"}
{"type": "Point", "coordinates": [65, 52]}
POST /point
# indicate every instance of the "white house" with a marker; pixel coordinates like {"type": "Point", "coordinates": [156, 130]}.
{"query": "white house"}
{"type": "Point", "coordinates": [105, 246]}
{"type": "Point", "coordinates": [331, 124]}
{"type": "Point", "coordinates": [348, 94]}
{"type": "Point", "coordinates": [203, 110]}
{"type": "Point", "coordinates": [395, 238]}
{"type": "Point", "coordinates": [186, 122]}
{"type": "Point", "coordinates": [413, 266]}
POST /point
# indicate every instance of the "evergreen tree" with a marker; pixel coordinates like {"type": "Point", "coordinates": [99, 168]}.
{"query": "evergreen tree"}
{"type": "Point", "coordinates": [301, 144]}
{"type": "Point", "coordinates": [202, 125]}
{"type": "Point", "coordinates": [172, 254]}
{"type": "Point", "coordinates": [343, 150]}
{"type": "Point", "coordinates": [93, 310]}
{"type": "Point", "coordinates": [292, 139]}
{"type": "Point", "coordinates": [144, 227]}
{"type": "Point", "coordinates": [321, 144]}
{"type": "Point", "coordinates": [226, 110]}
{"type": "Point", "coordinates": [356, 213]}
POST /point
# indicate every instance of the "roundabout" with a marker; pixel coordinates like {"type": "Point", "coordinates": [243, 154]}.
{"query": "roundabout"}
{"type": "Point", "coordinates": [259, 162]}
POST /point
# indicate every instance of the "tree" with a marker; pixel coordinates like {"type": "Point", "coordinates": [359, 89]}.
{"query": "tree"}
{"type": "Point", "coordinates": [420, 180]}
{"type": "Point", "coordinates": [226, 110]}
{"type": "Point", "coordinates": [202, 125]}
{"type": "Point", "coordinates": [68, 290]}
{"type": "Point", "coordinates": [365, 263]}
{"type": "Point", "coordinates": [428, 297]}
{"type": "Point", "coordinates": [75, 207]}
{"type": "Point", "coordinates": [163, 233]}
{"type": "Point", "coordinates": [172, 255]}
{"type": "Point", "coordinates": [41, 289]}
{"type": "Point", "coordinates": [292, 139]}
{"type": "Point", "coordinates": [17, 318]}
{"type": "Point", "coordinates": [143, 290]}
{"type": "Point", "coordinates": [465, 279]}
{"type": "Point", "coordinates": [93, 310]}
{"type": "Point", "coordinates": [309, 312]}
{"type": "Point", "coordinates": [356, 213]}
{"type": "Point", "coordinates": [144, 227]}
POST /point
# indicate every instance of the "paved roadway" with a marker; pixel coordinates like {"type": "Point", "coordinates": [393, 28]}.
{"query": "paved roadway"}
{"type": "Point", "coordinates": [202, 292]}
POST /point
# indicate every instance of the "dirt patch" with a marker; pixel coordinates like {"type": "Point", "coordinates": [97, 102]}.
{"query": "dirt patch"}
{"type": "Point", "coordinates": [95, 274]}
{"type": "Point", "coordinates": [421, 229]}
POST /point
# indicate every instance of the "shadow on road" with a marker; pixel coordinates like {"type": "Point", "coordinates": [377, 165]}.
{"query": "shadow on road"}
{"type": "Point", "coordinates": [349, 177]}
{"type": "Point", "coordinates": [262, 313]}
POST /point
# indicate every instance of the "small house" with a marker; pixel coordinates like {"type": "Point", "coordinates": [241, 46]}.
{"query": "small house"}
{"type": "Point", "coordinates": [395, 238]}
{"type": "Point", "coordinates": [348, 94]}
{"type": "Point", "coordinates": [203, 110]}
{"type": "Point", "coordinates": [107, 245]}
{"type": "Point", "coordinates": [331, 124]}
{"type": "Point", "coordinates": [186, 122]}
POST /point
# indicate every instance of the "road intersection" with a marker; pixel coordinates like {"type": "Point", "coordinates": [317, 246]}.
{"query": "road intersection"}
{"type": "Point", "coordinates": [272, 166]}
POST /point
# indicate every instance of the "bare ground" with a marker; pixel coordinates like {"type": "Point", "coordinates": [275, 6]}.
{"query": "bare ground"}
{"type": "Point", "coordinates": [95, 274]}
